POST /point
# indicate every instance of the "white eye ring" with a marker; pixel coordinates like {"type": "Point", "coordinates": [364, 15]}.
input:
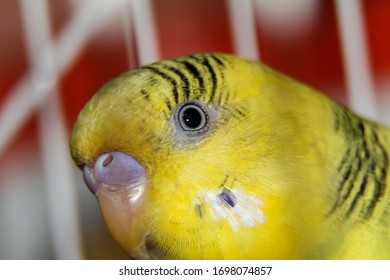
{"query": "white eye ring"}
{"type": "Point", "coordinates": [192, 121]}
{"type": "Point", "coordinates": [192, 117]}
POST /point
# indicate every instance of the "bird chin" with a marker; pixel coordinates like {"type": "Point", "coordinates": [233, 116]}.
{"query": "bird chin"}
{"type": "Point", "coordinates": [123, 210]}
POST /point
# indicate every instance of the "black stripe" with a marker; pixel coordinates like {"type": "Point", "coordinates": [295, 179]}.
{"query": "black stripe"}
{"type": "Point", "coordinates": [368, 162]}
{"type": "Point", "coordinates": [365, 150]}
{"type": "Point", "coordinates": [168, 79]}
{"type": "Point", "coordinates": [224, 94]}
{"type": "Point", "coordinates": [336, 121]}
{"type": "Point", "coordinates": [224, 182]}
{"type": "Point", "coordinates": [348, 172]}
{"type": "Point", "coordinates": [237, 113]}
{"type": "Point", "coordinates": [345, 178]}
{"type": "Point", "coordinates": [345, 124]}
{"type": "Point", "coordinates": [183, 77]}
{"type": "Point", "coordinates": [197, 58]}
{"type": "Point", "coordinates": [213, 76]}
{"type": "Point", "coordinates": [361, 128]}
{"type": "Point", "coordinates": [361, 191]}
{"type": "Point", "coordinates": [344, 160]}
{"type": "Point", "coordinates": [194, 72]}
{"type": "Point", "coordinates": [204, 61]}
{"type": "Point", "coordinates": [198, 208]}
{"type": "Point", "coordinates": [240, 112]}
{"type": "Point", "coordinates": [219, 102]}
{"type": "Point", "coordinates": [380, 183]}
{"type": "Point", "coordinates": [360, 134]}
{"type": "Point", "coordinates": [368, 159]}
{"type": "Point", "coordinates": [355, 172]}
{"type": "Point", "coordinates": [218, 60]}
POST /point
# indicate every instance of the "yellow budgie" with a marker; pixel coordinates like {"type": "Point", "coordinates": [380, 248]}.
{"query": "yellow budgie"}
{"type": "Point", "coordinates": [210, 156]}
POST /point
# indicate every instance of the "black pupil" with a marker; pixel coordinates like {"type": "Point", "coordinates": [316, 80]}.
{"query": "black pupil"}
{"type": "Point", "coordinates": [192, 118]}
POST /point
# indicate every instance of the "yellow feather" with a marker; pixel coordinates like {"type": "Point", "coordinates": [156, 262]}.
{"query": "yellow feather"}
{"type": "Point", "coordinates": [316, 172]}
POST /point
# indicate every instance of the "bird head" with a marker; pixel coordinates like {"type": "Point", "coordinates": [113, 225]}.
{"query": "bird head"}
{"type": "Point", "coordinates": [181, 160]}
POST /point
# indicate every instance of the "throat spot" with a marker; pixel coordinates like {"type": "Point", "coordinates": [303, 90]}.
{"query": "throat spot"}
{"type": "Point", "coordinates": [233, 206]}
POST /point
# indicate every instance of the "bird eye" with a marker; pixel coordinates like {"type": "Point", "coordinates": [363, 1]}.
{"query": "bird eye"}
{"type": "Point", "coordinates": [192, 117]}
{"type": "Point", "coordinates": [192, 121]}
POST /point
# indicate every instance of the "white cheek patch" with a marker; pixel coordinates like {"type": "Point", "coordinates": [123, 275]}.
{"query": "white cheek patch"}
{"type": "Point", "coordinates": [234, 206]}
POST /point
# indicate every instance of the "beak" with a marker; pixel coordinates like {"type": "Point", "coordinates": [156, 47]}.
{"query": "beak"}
{"type": "Point", "coordinates": [119, 183]}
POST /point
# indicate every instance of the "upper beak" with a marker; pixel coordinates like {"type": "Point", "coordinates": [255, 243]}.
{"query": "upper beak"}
{"type": "Point", "coordinates": [119, 183]}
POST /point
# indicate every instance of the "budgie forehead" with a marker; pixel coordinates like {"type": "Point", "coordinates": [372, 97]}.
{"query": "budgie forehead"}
{"type": "Point", "coordinates": [193, 77]}
{"type": "Point", "coordinates": [210, 78]}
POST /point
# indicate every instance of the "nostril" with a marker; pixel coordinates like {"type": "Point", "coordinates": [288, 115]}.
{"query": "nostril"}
{"type": "Point", "coordinates": [104, 162]}
{"type": "Point", "coordinates": [108, 160]}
